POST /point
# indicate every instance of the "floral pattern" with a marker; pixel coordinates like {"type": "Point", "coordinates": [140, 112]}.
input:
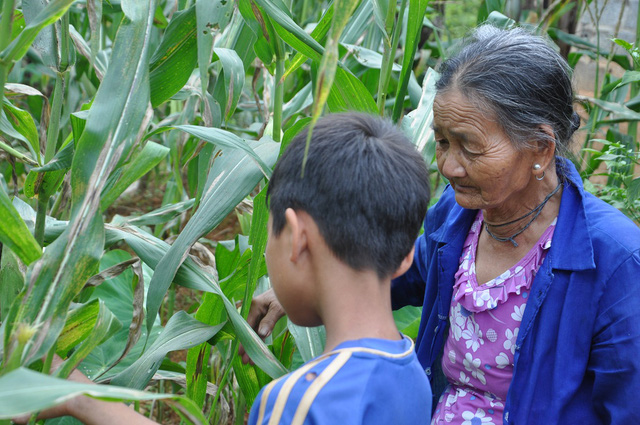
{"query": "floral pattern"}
{"type": "Point", "coordinates": [477, 418]}
{"type": "Point", "coordinates": [483, 335]}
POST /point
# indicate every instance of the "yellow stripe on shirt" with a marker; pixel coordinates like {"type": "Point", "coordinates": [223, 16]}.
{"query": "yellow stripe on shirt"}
{"type": "Point", "coordinates": [313, 390]}
{"type": "Point", "coordinates": [283, 395]}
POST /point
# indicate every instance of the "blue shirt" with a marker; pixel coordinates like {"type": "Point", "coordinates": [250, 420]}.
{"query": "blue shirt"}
{"type": "Point", "coordinates": [366, 381]}
{"type": "Point", "coordinates": [577, 358]}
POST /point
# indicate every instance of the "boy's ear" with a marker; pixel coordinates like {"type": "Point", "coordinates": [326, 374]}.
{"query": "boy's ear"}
{"type": "Point", "coordinates": [298, 242]}
{"type": "Point", "coordinates": [406, 263]}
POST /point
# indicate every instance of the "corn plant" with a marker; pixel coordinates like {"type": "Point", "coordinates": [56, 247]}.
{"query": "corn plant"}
{"type": "Point", "coordinates": [204, 96]}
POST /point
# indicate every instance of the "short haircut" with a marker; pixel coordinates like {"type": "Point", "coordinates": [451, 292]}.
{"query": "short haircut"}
{"type": "Point", "coordinates": [364, 184]}
{"type": "Point", "coordinates": [520, 79]}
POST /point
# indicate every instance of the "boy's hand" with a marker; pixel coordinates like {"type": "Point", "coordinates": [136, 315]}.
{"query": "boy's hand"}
{"type": "Point", "coordinates": [67, 408]}
{"type": "Point", "coordinates": [88, 410]}
{"type": "Point", "coordinates": [264, 313]}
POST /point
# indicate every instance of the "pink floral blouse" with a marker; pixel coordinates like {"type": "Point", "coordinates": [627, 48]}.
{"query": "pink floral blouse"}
{"type": "Point", "coordinates": [484, 323]}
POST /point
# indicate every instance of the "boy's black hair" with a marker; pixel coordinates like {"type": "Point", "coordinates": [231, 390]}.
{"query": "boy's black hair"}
{"type": "Point", "coordinates": [364, 184]}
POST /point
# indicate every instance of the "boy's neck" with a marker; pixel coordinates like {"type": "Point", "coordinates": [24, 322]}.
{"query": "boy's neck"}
{"type": "Point", "coordinates": [355, 304]}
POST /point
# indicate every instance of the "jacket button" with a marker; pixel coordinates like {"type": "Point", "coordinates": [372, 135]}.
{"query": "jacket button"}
{"type": "Point", "coordinates": [428, 371]}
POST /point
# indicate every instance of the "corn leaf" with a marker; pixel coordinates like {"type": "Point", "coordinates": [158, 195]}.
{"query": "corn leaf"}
{"type": "Point", "coordinates": [55, 280]}
{"type": "Point", "coordinates": [233, 79]}
{"type": "Point", "coordinates": [212, 17]}
{"type": "Point", "coordinates": [120, 104]}
{"type": "Point", "coordinates": [349, 93]}
{"type": "Point", "coordinates": [61, 161]}
{"type": "Point", "coordinates": [141, 164]}
{"type": "Point", "coordinates": [114, 119]}
{"type": "Point", "coordinates": [15, 234]}
{"type": "Point", "coordinates": [319, 32]}
{"type": "Point", "coordinates": [408, 320]}
{"type": "Point", "coordinates": [182, 331]}
{"type": "Point", "coordinates": [94, 10]}
{"type": "Point", "coordinates": [152, 251]}
{"type": "Point", "coordinates": [233, 176]}
{"type": "Point", "coordinates": [258, 240]}
{"type": "Point", "coordinates": [618, 111]}
{"type": "Point", "coordinates": [223, 139]}
{"type": "Point", "coordinates": [233, 269]}
{"type": "Point", "coordinates": [43, 184]}
{"type": "Point", "coordinates": [247, 379]}
{"type": "Point", "coordinates": [161, 215]}
{"type": "Point", "coordinates": [175, 58]}
{"type": "Point", "coordinates": [124, 295]}
{"type": "Point", "coordinates": [105, 325]}
{"type": "Point", "coordinates": [628, 78]}
{"type": "Point", "coordinates": [329, 61]}
{"type": "Point", "coordinates": [45, 44]}
{"type": "Point", "coordinates": [197, 376]}
{"type": "Point", "coordinates": [79, 323]}
{"type": "Point", "coordinates": [415, 17]}
{"type": "Point", "coordinates": [417, 124]}
{"type": "Point", "coordinates": [11, 281]}
{"type": "Point", "coordinates": [7, 128]}
{"type": "Point", "coordinates": [310, 341]}
{"type": "Point", "coordinates": [24, 391]}
{"type": "Point", "coordinates": [47, 16]}
{"type": "Point", "coordinates": [23, 123]}
{"type": "Point", "coordinates": [99, 60]}
{"type": "Point", "coordinates": [633, 191]}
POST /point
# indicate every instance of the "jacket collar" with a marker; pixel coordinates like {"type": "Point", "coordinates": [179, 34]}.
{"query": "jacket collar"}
{"type": "Point", "coordinates": [458, 221]}
{"type": "Point", "coordinates": [571, 239]}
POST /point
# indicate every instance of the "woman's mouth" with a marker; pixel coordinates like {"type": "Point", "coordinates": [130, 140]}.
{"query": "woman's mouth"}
{"type": "Point", "coordinates": [460, 187]}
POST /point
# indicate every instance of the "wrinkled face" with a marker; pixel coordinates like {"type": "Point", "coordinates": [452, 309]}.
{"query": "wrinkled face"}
{"type": "Point", "coordinates": [294, 292]}
{"type": "Point", "coordinates": [477, 157]}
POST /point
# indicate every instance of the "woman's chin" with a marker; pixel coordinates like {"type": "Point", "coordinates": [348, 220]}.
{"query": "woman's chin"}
{"type": "Point", "coordinates": [467, 200]}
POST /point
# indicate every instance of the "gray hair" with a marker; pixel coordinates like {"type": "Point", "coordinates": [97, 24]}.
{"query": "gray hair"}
{"type": "Point", "coordinates": [519, 78]}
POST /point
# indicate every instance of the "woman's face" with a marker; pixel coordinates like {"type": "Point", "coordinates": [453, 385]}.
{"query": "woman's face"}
{"type": "Point", "coordinates": [477, 157]}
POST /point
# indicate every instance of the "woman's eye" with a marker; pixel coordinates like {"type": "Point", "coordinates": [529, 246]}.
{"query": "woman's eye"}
{"type": "Point", "coordinates": [442, 142]}
{"type": "Point", "coordinates": [470, 154]}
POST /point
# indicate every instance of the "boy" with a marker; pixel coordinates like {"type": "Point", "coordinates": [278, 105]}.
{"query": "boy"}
{"type": "Point", "coordinates": [339, 231]}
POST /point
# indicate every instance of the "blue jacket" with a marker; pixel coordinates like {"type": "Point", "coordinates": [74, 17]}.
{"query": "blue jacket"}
{"type": "Point", "coordinates": [577, 358]}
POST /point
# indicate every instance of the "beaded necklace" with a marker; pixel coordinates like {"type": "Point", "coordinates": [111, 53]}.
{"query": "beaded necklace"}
{"type": "Point", "coordinates": [536, 212]}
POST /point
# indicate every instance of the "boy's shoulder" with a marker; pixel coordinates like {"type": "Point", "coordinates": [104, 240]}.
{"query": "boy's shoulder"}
{"type": "Point", "coordinates": [370, 381]}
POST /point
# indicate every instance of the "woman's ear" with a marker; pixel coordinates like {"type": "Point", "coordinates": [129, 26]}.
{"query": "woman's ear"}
{"type": "Point", "coordinates": [546, 151]}
{"type": "Point", "coordinates": [406, 263]}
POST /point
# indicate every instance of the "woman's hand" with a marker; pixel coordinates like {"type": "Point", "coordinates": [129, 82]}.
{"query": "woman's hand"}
{"type": "Point", "coordinates": [264, 313]}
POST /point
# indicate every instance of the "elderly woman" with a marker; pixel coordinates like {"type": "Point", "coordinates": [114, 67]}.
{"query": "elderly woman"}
{"type": "Point", "coordinates": [530, 285]}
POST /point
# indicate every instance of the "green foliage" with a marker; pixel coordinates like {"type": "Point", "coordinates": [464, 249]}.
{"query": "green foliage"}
{"type": "Point", "coordinates": [188, 104]}
{"type": "Point", "coordinates": [24, 391]}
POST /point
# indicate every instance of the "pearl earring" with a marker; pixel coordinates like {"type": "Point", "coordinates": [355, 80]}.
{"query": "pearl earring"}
{"type": "Point", "coordinates": [538, 167]}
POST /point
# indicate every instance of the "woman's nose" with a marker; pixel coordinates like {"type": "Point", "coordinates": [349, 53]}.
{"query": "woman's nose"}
{"type": "Point", "coordinates": [450, 165]}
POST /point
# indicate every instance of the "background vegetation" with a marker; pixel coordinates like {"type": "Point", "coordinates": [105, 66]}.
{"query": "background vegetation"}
{"type": "Point", "coordinates": [136, 141]}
